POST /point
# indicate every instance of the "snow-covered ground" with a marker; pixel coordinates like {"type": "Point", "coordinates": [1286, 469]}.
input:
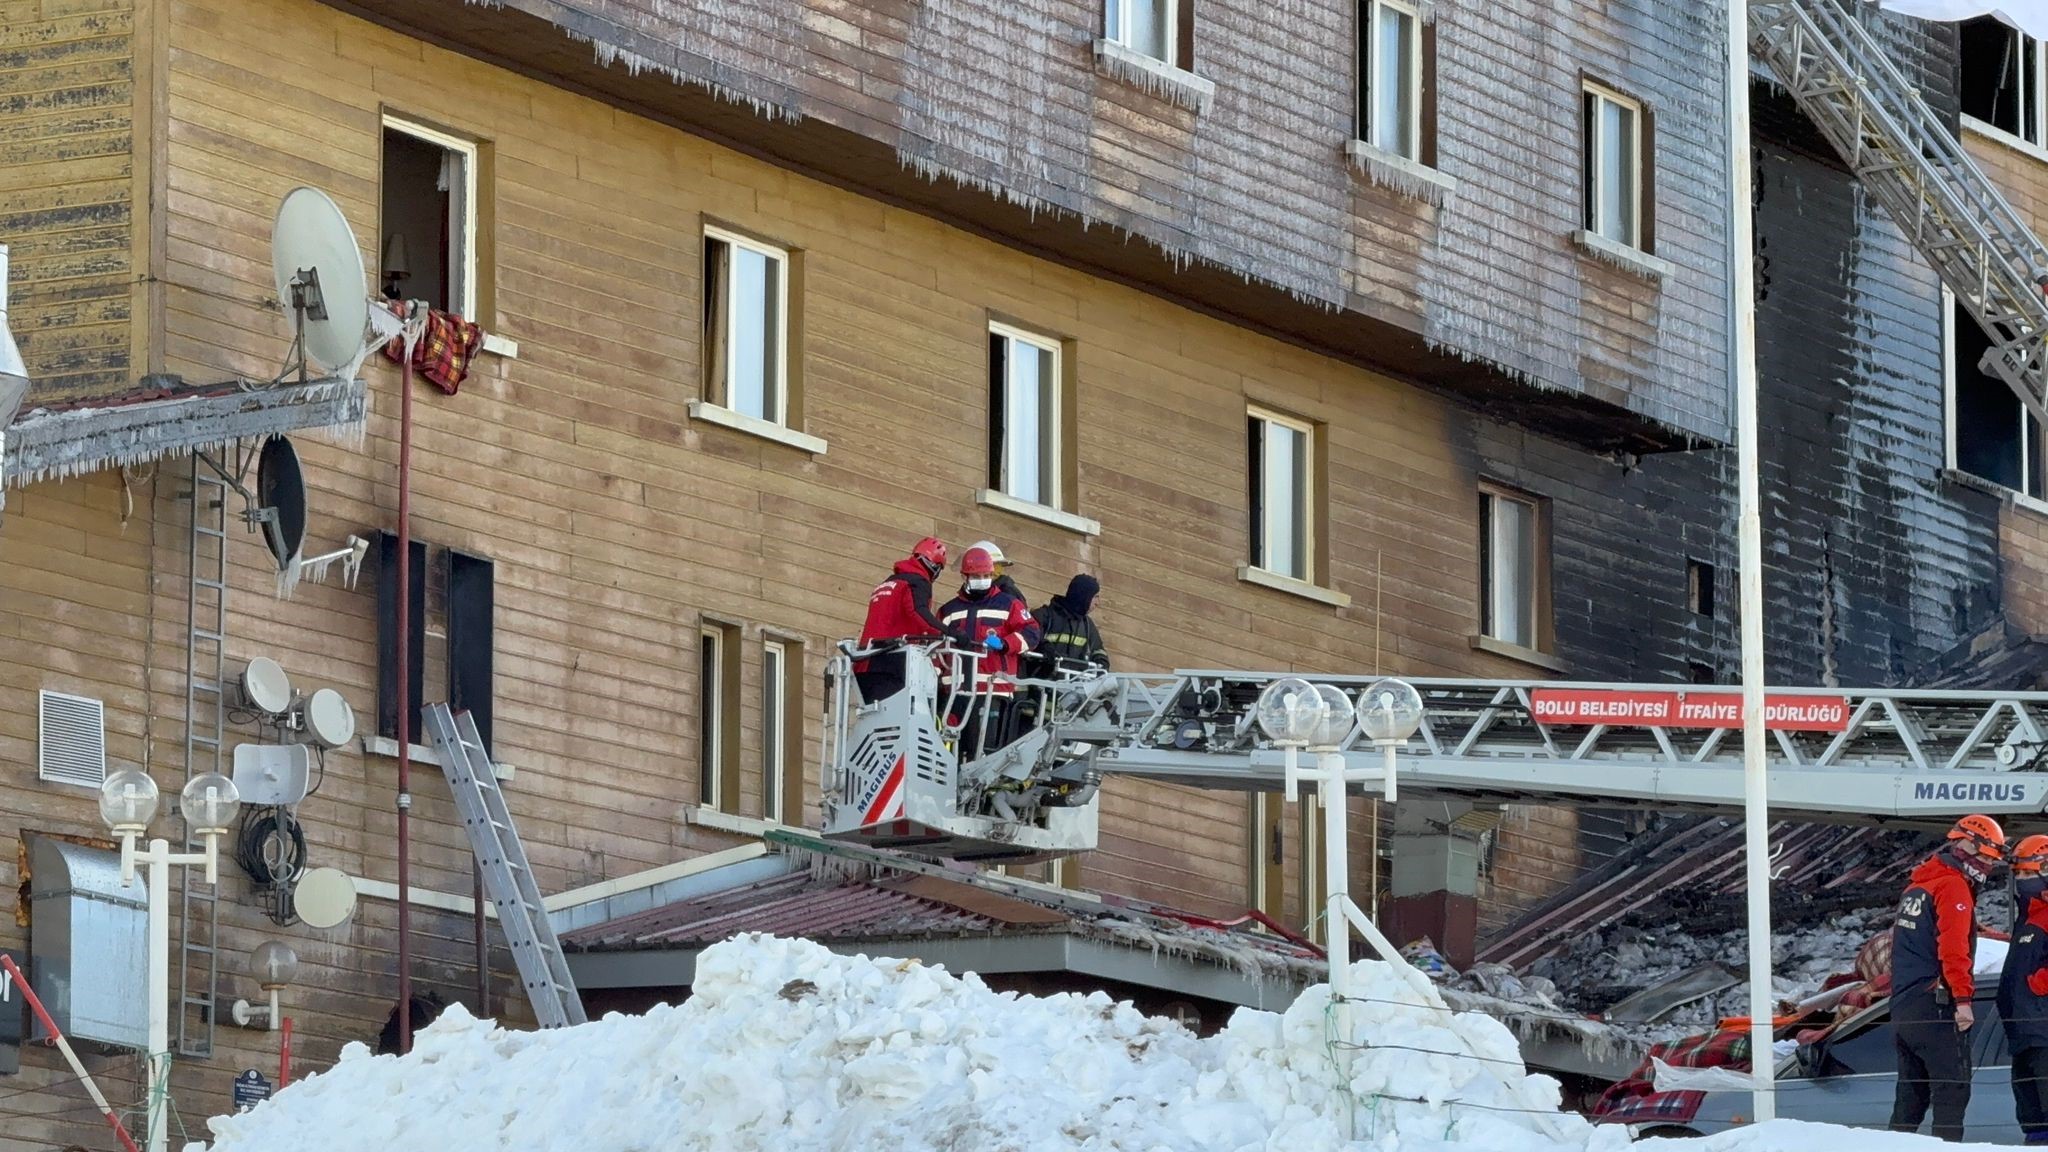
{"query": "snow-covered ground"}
{"type": "Point", "coordinates": [785, 1046]}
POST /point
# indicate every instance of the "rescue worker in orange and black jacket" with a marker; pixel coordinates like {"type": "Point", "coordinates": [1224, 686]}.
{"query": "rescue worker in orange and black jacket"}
{"type": "Point", "coordinates": [2023, 989]}
{"type": "Point", "coordinates": [1934, 949]}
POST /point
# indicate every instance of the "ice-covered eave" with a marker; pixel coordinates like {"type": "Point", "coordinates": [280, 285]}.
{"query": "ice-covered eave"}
{"type": "Point", "coordinates": [54, 445]}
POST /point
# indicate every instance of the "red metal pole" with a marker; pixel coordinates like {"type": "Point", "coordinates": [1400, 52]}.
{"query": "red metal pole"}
{"type": "Point", "coordinates": [405, 700]}
{"type": "Point", "coordinates": [70, 1057]}
{"type": "Point", "coordinates": [284, 1056]}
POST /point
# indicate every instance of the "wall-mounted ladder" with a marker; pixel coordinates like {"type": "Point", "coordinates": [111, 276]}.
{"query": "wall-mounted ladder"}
{"type": "Point", "coordinates": [206, 626]}
{"type": "Point", "coordinates": [508, 877]}
{"type": "Point", "coordinates": [1906, 157]}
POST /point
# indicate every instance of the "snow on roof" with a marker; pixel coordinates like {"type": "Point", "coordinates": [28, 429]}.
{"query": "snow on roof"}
{"type": "Point", "coordinates": [788, 1047]}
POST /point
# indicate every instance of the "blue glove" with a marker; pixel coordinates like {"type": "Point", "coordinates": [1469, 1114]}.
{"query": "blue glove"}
{"type": "Point", "coordinates": [994, 642]}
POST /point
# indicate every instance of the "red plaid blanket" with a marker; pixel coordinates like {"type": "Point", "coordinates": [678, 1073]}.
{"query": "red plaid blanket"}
{"type": "Point", "coordinates": [444, 351]}
{"type": "Point", "coordinates": [1636, 1099]}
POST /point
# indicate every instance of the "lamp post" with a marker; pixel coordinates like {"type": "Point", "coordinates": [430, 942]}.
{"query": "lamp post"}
{"type": "Point", "coordinates": [273, 963]}
{"type": "Point", "coordinates": [128, 802]}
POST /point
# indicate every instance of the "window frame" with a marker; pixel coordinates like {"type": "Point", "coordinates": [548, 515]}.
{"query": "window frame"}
{"type": "Point", "coordinates": [1051, 418]}
{"type": "Point", "coordinates": [1538, 589]}
{"type": "Point", "coordinates": [1371, 78]}
{"type": "Point", "coordinates": [785, 260]}
{"type": "Point", "coordinates": [774, 729]}
{"type": "Point", "coordinates": [1261, 531]}
{"type": "Point", "coordinates": [2033, 447]}
{"type": "Point", "coordinates": [472, 203]}
{"type": "Point", "coordinates": [1116, 23]}
{"type": "Point", "coordinates": [2031, 101]}
{"type": "Point", "coordinates": [1592, 95]}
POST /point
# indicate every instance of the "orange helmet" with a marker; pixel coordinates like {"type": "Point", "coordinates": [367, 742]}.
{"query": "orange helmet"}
{"type": "Point", "coordinates": [2030, 856]}
{"type": "Point", "coordinates": [1983, 832]}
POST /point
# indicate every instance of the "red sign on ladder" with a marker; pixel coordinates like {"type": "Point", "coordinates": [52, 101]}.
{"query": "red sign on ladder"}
{"type": "Point", "coordinates": [1639, 708]}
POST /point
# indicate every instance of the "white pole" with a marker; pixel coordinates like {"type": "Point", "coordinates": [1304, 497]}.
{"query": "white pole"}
{"type": "Point", "coordinates": [1749, 530]}
{"type": "Point", "coordinates": [1332, 794]}
{"type": "Point", "coordinates": [159, 991]}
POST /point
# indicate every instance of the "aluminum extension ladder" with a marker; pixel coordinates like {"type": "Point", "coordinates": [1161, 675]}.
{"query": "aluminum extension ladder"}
{"type": "Point", "coordinates": [1906, 157]}
{"type": "Point", "coordinates": [508, 878]}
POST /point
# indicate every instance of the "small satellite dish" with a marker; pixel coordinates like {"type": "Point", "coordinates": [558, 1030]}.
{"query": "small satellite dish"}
{"type": "Point", "coordinates": [281, 496]}
{"type": "Point", "coordinates": [320, 279]}
{"type": "Point", "coordinates": [272, 775]}
{"type": "Point", "coordinates": [265, 686]}
{"type": "Point", "coordinates": [324, 897]}
{"type": "Point", "coordinates": [329, 719]}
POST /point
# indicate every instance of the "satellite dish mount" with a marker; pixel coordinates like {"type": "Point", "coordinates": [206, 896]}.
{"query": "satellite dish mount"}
{"type": "Point", "coordinates": [308, 303]}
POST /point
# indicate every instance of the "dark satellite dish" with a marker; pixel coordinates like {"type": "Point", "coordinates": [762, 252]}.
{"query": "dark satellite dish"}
{"type": "Point", "coordinates": [281, 492]}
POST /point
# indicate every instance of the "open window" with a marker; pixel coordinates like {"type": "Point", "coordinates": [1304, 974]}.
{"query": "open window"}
{"type": "Point", "coordinates": [1160, 29]}
{"type": "Point", "coordinates": [1283, 494]}
{"type": "Point", "coordinates": [2004, 78]}
{"type": "Point", "coordinates": [718, 690]}
{"type": "Point", "coordinates": [1025, 416]}
{"type": "Point", "coordinates": [1617, 169]}
{"type": "Point", "coordinates": [782, 732]}
{"type": "Point", "coordinates": [429, 218]}
{"type": "Point", "coordinates": [1991, 434]}
{"type": "Point", "coordinates": [1514, 561]}
{"type": "Point", "coordinates": [746, 326]}
{"type": "Point", "coordinates": [1393, 65]}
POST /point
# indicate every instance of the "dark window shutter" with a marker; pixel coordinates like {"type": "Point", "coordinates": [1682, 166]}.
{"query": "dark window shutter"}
{"type": "Point", "coordinates": [1646, 191]}
{"type": "Point", "coordinates": [1184, 39]}
{"type": "Point", "coordinates": [387, 635]}
{"type": "Point", "coordinates": [1255, 451]}
{"type": "Point", "coordinates": [1427, 150]}
{"type": "Point", "coordinates": [998, 395]}
{"type": "Point", "coordinates": [472, 603]}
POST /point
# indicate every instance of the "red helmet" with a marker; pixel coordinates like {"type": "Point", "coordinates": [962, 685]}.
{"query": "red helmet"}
{"type": "Point", "coordinates": [977, 562]}
{"type": "Point", "coordinates": [1982, 831]}
{"type": "Point", "coordinates": [2030, 856]}
{"type": "Point", "coordinates": [931, 552]}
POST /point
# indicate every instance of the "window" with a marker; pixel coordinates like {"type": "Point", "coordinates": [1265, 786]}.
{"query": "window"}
{"type": "Point", "coordinates": [1391, 67]}
{"type": "Point", "coordinates": [1699, 587]}
{"type": "Point", "coordinates": [1024, 386]}
{"type": "Point", "coordinates": [1992, 436]}
{"type": "Point", "coordinates": [718, 717]}
{"type": "Point", "coordinates": [1148, 27]}
{"type": "Point", "coordinates": [2004, 78]}
{"type": "Point", "coordinates": [1510, 559]}
{"type": "Point", "coordinates": [1615, 195]}
{"type": "Point", "coordinates": [1282, 496]}
{"type": "Point", "coordinates": [429, 214]}
{"type": "Point", "coordinates": [781, 731]}
{"type": "Point", "coordinates": [746, 326]}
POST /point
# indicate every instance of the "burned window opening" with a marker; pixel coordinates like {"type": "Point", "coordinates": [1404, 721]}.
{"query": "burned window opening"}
{"type": "Point", "coordinates": [1996, 439]}
{"type": "Point", "coordinates": [2001, 77]}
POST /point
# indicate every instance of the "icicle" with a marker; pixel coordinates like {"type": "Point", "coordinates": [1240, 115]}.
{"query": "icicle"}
{"type": "Point", "coordinates": [1400, 176]}
{"type": "Point", "coordinates": [1160, 79]}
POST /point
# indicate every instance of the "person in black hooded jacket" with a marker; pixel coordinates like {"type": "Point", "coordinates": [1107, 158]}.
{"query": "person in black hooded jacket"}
{"type": "Point", "coordinates": [1070, 640]}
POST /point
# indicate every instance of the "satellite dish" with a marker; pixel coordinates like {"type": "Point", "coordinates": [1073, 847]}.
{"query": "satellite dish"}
{"type": "Point", "coordinates": [265, 686]}
{"type": "Point", "coordinates": [329, 719]}
{"type": "Point", "coordinates": [320, 279]}
{"type": "Point", "coordinates": [272, 775]}
{"type": "Point", "coordinates": [324, 897]}
{"type": "Point", "coordinates": [281, 493]}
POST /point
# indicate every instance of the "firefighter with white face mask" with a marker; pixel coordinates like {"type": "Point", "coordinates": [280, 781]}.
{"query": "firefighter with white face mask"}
{"type": "Point", "coordinates": [999, 625]}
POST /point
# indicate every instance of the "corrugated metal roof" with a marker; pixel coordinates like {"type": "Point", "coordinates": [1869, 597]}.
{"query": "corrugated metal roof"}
{"type": "Point", "coordinates": [798, 904]}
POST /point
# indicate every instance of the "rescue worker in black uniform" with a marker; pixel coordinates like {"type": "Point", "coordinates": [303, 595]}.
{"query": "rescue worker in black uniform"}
{"type": "Point", "coordinates": [1934, 950]}
{"type": "Point", "coordinates": [2023, 989]}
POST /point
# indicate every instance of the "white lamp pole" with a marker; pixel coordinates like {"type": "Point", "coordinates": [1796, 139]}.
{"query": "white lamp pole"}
{"type": "Point", "coordinates": [1749, 536]}
{"type": "Point", "coordinates": [128, 802]}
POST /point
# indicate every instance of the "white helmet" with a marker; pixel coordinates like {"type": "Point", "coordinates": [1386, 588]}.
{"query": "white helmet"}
{"type": "Point", "coordinates": [994, 553]}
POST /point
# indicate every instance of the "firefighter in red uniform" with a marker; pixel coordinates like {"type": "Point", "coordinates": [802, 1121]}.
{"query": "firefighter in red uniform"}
{"type": "Point", "coordinates": [1000, 622]}
{"type": "Point", "coordinates": [2023, 989]}
{"type": "Point", "coordinates": [1934, 950]}
{"type": "Point", "coordinates": [900, 608]}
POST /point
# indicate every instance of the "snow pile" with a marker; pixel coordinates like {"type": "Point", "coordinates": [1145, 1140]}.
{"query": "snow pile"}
{"type": "Point", "coordinates": [789, 1047]}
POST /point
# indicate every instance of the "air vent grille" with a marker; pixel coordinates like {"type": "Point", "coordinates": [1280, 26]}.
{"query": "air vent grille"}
{"type": "Point", "coordinates": [71, 740]}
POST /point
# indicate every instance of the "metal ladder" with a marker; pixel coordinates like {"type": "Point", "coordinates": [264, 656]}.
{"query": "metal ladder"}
{"type": "Point", "coordinates": [508, 878]}
{"type": "Point", "coordinates": [1912, 164]}
{"type": "Point", "coordinates": [206, 625]}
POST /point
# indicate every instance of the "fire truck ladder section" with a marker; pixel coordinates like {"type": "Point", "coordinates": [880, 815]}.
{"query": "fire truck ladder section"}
{"type": "Point", "coordinates": [1914, 757]}
{"type": "Point", "coordinates": [1910, 161]}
